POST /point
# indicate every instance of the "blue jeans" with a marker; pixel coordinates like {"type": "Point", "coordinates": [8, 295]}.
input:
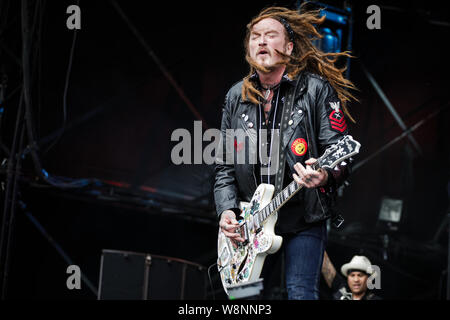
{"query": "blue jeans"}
{"type": "Point", "coordinates": [303, 263]}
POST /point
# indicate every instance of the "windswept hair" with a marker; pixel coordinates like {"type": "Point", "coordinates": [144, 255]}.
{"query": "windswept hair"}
{"type": "Point", "coordinates": [304, 57]}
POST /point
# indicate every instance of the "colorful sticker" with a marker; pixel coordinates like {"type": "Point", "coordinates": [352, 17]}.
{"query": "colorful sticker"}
{"type": "Point", "coordinates": [299, 147]}
{"type": "Point", "coordinates": [255, 242]}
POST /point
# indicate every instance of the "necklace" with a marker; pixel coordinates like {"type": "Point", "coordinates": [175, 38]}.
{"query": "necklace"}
{"type": "Point", "coordinates": [268, 89]}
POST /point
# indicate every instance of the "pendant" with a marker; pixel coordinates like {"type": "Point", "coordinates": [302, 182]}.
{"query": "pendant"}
{"type": "Point", "coordinates": [266, 96]}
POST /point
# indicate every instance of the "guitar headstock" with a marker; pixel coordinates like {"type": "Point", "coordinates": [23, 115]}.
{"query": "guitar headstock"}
{"type": "Point", "coordinates": [344, 149]}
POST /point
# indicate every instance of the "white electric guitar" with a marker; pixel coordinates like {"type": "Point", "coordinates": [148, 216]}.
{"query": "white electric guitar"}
{"type": "Point", "coordinates": [242, 264]}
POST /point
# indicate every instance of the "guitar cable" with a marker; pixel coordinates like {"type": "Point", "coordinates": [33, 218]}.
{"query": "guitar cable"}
{"type": "Point", "coordinates": [210, 280]}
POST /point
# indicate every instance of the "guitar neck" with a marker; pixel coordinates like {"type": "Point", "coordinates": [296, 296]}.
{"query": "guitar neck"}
{"type": "Point", "coordinates": [281, 198]}
{"type": "Point", "coordinates": [334, 154]}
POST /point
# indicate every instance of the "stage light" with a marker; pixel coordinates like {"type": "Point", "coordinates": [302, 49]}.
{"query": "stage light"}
{"type": "Point", "coordinates": [390, 212]}
{"type": "Point", "coordinates": [337, 30]}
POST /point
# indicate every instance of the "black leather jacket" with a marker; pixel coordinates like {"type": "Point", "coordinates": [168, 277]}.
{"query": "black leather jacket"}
{"type": "Point", "coordinates": [313, 94]}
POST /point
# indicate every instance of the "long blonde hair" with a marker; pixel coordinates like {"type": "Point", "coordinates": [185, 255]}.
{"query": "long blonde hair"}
{"type": "Point", "coordinates": [304, 57]}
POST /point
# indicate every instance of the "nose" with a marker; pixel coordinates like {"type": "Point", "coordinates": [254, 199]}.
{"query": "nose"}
{"type": "Point", "coordinates": [262, 41]}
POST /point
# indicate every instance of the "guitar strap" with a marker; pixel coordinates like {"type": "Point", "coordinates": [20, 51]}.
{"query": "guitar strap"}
{"type": "Point", "coordinates": [288, 106]}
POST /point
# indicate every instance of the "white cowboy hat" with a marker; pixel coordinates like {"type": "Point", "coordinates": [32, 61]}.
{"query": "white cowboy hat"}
{"type": "Point", "coordinates": [357, 263]}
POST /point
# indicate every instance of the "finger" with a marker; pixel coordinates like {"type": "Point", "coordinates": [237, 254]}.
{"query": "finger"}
{"type": "Point", "coordinates": [227, 226]}
{"type": "Point", "coordinates": [316, 177]}
{"type": "Point", "coordinates": [310, 174]}
{"type": "Point", "coordinates": [310, 170]}
{"type": "Point", "coordinates": [300, 170]}
{"type": "Point", "coordinates": [313, 176]}
{"type": "Point", "coordinates": [298, 180]}
{"type": "Point", "coordinates": [231, 220]}
{"type": "Point", "coordinates": [223, 224]}
{"type": "Point", "coordinates": [228, 221]}
{"type": "Point", "coordinates": [298, 166]}
{"type": "Point", "coordinates": [234, 237]}
{"type": "Point", "coordinates": [230, 228]}
{"type": "Point", "coordinates": [313, 183]}
{"type": "Point", "coordinates": [310, 161]}
{"type": "Point", "coordinates": [234, 222]}
{"type": "Point", "coordinates": [230, 234]}
{"type": "Point", "coordinates": [305, 183]}
{"type": "Point", "coordinates": [230, 225]}
{"type": "Point", "coordinates": [228, 216]}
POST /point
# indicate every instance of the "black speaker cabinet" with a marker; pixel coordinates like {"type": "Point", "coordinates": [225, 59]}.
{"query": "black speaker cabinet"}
{"type": "Point", "coordinates": [128, 275]}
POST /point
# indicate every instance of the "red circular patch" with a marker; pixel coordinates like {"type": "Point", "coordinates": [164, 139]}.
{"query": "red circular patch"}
{"type": "Point", "coordinates": [299, 147]}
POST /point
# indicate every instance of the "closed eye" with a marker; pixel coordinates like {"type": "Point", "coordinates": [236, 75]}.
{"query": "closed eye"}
{"type": "Point", "coordinates": [254, 35]}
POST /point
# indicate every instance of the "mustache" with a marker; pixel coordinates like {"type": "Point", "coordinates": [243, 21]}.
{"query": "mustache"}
{"type": "Point", "coordinates": [261, 68]}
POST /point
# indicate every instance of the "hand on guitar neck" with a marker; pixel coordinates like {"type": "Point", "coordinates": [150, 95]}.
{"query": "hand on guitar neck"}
{"type": "Point", "coordinates": [309, 177]}
{"type": "Point", "coordinates": [229, 224]}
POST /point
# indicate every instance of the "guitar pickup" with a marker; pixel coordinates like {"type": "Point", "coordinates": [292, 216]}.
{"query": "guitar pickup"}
{"type": "Point", "coordinates": [244, 231]}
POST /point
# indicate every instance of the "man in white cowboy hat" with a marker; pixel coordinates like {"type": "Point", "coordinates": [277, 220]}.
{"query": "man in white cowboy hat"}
{"type": "Point", "coordinates": [357, 271]}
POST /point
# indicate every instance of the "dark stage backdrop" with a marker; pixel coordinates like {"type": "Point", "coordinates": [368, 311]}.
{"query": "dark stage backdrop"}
{"type": "Point", "coordinates": [122, 110]}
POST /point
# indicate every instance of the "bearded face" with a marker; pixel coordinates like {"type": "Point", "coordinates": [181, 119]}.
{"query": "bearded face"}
{"type": "Point", "coordinates": [267, 36]}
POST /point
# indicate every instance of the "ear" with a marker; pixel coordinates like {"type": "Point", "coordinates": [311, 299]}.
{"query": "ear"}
{"type": "Point", "coordinates": [289, 47]}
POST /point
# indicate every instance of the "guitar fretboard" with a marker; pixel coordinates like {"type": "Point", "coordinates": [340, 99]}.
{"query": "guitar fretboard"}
{"type": "Point", "coordinates": [280, 199]}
